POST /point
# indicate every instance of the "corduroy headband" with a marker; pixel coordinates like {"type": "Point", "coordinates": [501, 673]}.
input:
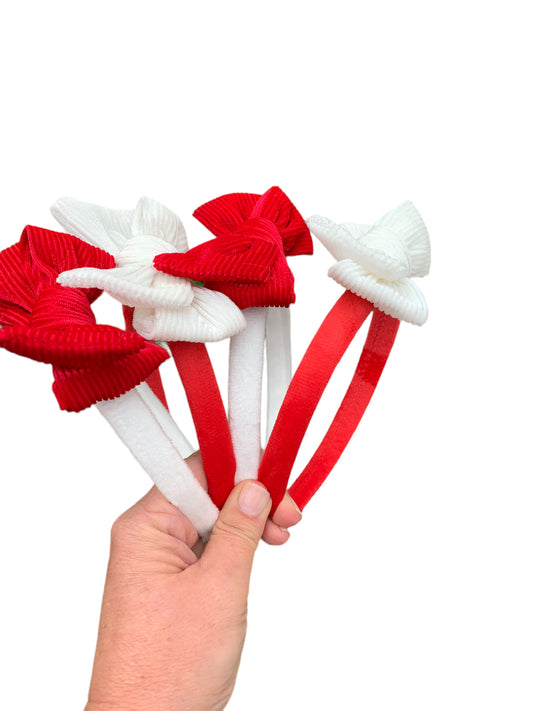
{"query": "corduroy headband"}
{"type": "Point", "coordinates": [175, 299]}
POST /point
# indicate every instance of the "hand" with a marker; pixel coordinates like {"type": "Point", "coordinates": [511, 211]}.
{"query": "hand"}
{"type": "Point", "coordinates": [286, 515]}
{"type": "Point", "coordinates": [173, 624]}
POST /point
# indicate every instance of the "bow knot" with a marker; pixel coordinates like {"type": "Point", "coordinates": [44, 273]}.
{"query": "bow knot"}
{"type": "Point", "coordinates": [139, 251]}
{"type": "Point", "coordinates": [57, 306]}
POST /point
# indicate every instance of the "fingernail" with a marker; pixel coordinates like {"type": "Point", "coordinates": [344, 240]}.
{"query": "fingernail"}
{"type": "Point", "coordinates": [295, 506]}
{"type": "Point", "coordinates": [253, 498]}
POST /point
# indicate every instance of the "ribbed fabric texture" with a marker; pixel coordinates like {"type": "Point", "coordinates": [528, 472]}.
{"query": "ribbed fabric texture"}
{"type": "Point", "coordinates": [166, 308]}
{"type": "Point", "coordinates": [54, 324]}
{"type": "Point", "coordinates": [247, 261]}
{"type": "Point", "coordinates": [377, 261]}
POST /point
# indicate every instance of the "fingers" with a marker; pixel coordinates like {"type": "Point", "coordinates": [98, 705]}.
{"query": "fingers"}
{"type": "Point", "coordinates": [275, 532]}
{"type": "Point", "coordinates": [286, 515]}
{"type": "Point", "coordinates": [237, 532]}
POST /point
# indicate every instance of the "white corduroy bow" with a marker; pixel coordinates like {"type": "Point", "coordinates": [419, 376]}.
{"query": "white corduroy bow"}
{"type": "Point", "coordinates": [377, 262]}
{"type": "Point", "coordinates": [167, 308]}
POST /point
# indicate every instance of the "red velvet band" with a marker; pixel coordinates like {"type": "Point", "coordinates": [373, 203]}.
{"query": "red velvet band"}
{"type": "Point", "coordinates": [209, 417]}
{"type": "Point", "coordinates": [379, 341]}
{"type": "Point", "coordinates": [308, 384]}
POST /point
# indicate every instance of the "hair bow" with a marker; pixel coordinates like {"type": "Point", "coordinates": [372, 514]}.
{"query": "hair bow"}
{"type": "Point", "coordinates": [247, 262]}
{"type": "Point", "coordinates": [56, 325]}
{"type": "Point", "coordinates": [92, 363]}
{"type": "Point", "coordinates": [165, 308]}
{"type": "Point", "coordinates": [377, 262]}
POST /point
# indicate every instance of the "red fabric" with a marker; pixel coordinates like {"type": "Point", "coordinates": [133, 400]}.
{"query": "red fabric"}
{"type": "Point", "coordinates": [309, 382]}
{"type": "Point", "coordinates": [153, 381]}
{"type": "Point", "coordinates": [209, 417]}
{"type": "Point", "coordinates": [55, 324]}
{"type": "Point", "coordinates": [378, 344]}
{"type": "Point", "coordinates": [247, 260]}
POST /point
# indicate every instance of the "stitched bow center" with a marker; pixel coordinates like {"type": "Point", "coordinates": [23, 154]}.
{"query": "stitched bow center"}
{"type": "Point", "coordinates": [58, 306]}
{"type": "Point", "coordinates": [260, 228]}
{"type": "Point", "coordinates": [140, 251]}
{"type": "Point", "coordinates": [396, 262]}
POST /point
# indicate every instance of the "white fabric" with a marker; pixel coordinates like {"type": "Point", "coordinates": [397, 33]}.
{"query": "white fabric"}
{"type": "Point", "coordinates": [244, 393]}
{"type": "Point", "coordinates": [167, 308]}
{"type": "Point", "coordinates": [376, 262]}
{"type": "Point", "coordinates": [165, 420]}
{"type": "Point", "coordinates": [279, 365]}
{"type": "Point", "coordinates": [135, 424]}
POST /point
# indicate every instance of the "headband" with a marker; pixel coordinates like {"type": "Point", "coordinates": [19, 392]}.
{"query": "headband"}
{"type": "Point", "coordinates": [247, 262]}
{"type": "Point", "coordinates": [92, 364]}
{"type": "Point", "coordinates": [375, 266]}
{"type": "Point", "coordinates": [165, 308]}
{"type": "Point", "coordinates": [177, 299]}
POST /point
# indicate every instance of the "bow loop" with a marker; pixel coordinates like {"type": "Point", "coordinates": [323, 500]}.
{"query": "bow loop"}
{"type": "Point", "coordinates": [54, 324]}
{"type": "Point", "coordinates": [47, 253]}
{"type": "Point", "coordinates": [406, 223]}
{"type": "Point", "coordinates": [376, 262]}
{"type": "Point", "coordinates": [232, 259]}
{"type": "Point", "coordinates": [152, 218]}
{"type": "Point", "coordinates": [247, 260]}
{"type": "Point", "coordinates": [224, 215]}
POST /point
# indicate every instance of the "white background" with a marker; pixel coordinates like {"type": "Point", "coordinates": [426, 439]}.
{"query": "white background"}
{"type": "Point", "coordinates": [409, 583]}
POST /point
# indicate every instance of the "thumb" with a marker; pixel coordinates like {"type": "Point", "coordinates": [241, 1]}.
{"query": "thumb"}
{"type": "Point", "coordinates": [237, 532]}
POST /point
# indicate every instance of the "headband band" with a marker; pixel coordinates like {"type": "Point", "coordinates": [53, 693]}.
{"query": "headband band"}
{"type": "Point", "coordinates": [376, 264]}
{"type": "Point", "coordinates": [182, 297]}
{"type": "Point", "coordinates": [165, 308]}
{"type": "Point", "coordinates": [247, 262]}
{"type": "Point", "coordinates": [92, 364]}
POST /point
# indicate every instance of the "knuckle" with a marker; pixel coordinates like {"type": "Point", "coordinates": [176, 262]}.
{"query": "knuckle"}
{"type": "Point", "coordinates": [240, 536]}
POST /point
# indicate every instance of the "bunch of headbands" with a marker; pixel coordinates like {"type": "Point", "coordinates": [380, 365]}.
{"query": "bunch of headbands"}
{"type": "Point", "coordinates": [237, 285]}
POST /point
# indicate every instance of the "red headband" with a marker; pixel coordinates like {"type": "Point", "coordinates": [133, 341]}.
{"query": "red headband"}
{"type": "Point", "coordinates": [307, 386]}
{"type": "Point", "coordinates": [247, 262]}
{"type": "Point", "coordinates": [375, 265]}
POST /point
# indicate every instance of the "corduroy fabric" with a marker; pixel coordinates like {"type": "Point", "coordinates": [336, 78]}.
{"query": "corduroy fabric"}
{"type": "Point", "coordinates": [55, 324]}
{"type": "Point", "coordinates": [247, 261]}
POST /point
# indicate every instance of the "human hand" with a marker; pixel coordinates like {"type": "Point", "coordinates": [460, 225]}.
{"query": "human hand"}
{"type": "Point", "coordinates": [173, 617]}
{"type": "Point", "coordinates": [286, 515]}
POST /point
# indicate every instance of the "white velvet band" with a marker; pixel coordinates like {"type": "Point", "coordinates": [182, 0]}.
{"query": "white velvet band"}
{"type": "Point", "coordinates": [153, 447]}
{"type": "Point", "coordinates": [244, 392]}
{"type": "Point", "coordinates": [279, 365]}
{"type": "Point", "coordinates": [165, 420]}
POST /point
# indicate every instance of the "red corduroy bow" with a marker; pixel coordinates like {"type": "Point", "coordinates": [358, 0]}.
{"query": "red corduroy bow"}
{"type": "Point", "coordinates": [247, 260]}
{"type": "Point", "coordinates": [54, 324]}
